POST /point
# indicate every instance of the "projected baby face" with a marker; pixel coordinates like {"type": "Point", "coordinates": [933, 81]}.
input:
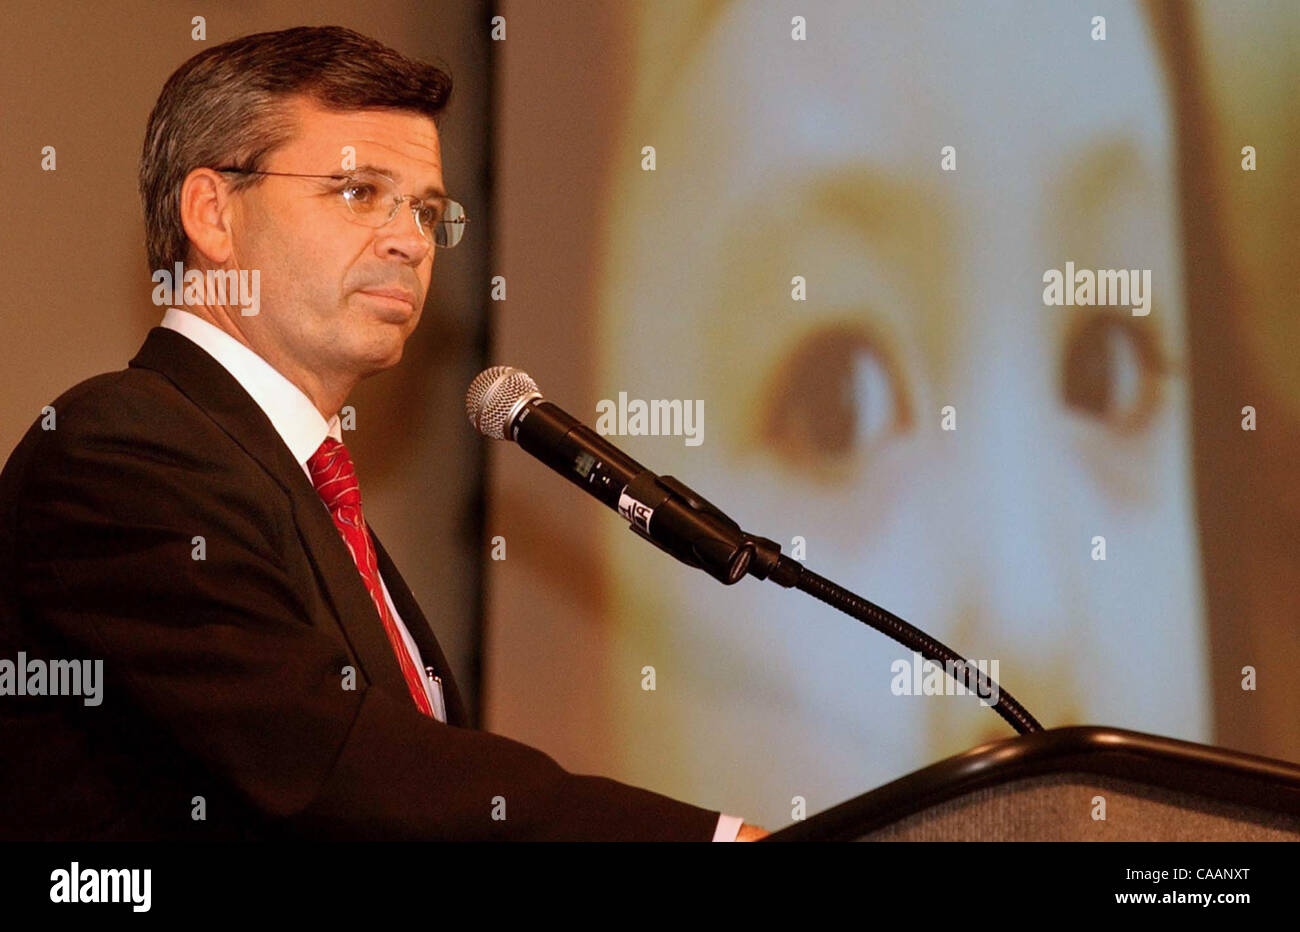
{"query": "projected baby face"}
{"type": "Point", "coordinates": [824, 418]}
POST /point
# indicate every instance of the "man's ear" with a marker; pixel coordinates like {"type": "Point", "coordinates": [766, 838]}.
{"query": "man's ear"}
{"type": "Point", "coordinates": [205, 214]}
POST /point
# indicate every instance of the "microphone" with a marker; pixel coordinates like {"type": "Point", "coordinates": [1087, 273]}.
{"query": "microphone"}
{"type": "Point", "coordinates": [505, 404]}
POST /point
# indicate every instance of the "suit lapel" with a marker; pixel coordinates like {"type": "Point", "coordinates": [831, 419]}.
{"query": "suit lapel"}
{"type": "Point", "coordinates": [420, 631]}
{"type": "Point", "coordinates": [218, 393]}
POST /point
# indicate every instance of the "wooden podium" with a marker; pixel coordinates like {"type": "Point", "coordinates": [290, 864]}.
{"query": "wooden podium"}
{"type": "Point", "coordinates": [1053, 785]}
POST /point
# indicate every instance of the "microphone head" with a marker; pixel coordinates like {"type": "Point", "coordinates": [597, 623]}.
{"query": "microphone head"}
{"type": "Point", "coordinates": [494, 398]}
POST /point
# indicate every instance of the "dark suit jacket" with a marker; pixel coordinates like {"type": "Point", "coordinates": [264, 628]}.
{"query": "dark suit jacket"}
{"type": "Point", "coordinates": [224, 677]}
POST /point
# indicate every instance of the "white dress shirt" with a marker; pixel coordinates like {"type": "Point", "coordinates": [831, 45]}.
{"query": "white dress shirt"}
{"type": "Point", "coordinates": [302, 428]}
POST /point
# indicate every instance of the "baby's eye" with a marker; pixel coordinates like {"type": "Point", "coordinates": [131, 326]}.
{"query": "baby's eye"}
{"type": "Point", "coordinates": [1111, 370]}
{"type": "Point", "coordinates": [835, 395]}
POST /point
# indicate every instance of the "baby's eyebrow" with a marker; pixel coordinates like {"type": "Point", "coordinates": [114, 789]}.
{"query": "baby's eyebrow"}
{"type": "Point", "coordinates": [1090, 180]}
{"type": "Point", "coordinates": [902, 220]}
{"type": "Point", "coordinates": [874, 202]}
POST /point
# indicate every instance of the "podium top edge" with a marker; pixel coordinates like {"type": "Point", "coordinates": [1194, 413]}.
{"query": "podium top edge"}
{"type": "Point", "coordinates": [1214, 773]}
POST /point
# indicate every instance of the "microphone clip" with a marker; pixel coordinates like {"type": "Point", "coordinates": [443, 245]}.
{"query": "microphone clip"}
{"type": "Point", "coordinates": [670, 515]}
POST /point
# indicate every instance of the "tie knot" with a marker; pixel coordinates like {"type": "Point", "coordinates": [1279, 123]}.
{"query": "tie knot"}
{"type": "Point", "coordinates": [334, 475]}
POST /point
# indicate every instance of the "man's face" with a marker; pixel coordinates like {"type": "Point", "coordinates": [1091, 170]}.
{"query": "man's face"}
{"type": "Point", "coordinates": [320, 269]}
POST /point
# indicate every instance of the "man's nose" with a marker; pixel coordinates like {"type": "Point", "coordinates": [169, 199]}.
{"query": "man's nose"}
{"type": "Point", "coordinates": [401, 238]}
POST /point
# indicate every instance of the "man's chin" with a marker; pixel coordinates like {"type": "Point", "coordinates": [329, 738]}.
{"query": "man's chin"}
{"type": "Point", "coordinates": [383, 349]}
{"type": "Point", "coordinates": [381, 360]}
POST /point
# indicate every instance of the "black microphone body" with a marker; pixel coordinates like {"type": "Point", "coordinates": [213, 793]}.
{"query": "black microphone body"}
{"type": "Point", "coordinates": [575, 451]}
{"type": "Point", "coordinates": [658, 508]}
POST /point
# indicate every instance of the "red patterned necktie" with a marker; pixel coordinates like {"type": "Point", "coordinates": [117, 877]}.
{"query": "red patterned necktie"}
{"type": "Point", "coordinates": [335, 479]}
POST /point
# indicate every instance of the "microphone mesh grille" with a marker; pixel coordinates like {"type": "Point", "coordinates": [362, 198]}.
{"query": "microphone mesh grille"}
{"type": "Point", "coordinates": [492, 394]}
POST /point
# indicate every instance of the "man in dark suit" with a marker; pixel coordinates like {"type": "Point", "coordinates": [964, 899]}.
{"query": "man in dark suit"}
{"type": "Point", "coordinates": [194, 521]}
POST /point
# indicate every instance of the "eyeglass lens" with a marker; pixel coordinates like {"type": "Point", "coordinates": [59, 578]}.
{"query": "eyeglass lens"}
{"type": "Point", "coordinates": [374, 200]}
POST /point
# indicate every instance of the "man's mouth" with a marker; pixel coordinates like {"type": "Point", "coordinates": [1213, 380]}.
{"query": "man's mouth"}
{"type": "Point", "coordinates": [395, 295]}
{"type": "Point", "coordinates": [392, 305]}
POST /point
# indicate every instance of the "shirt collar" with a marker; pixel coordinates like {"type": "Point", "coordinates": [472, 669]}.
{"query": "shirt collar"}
{"type": "Point", "coordinates": [292, 414]}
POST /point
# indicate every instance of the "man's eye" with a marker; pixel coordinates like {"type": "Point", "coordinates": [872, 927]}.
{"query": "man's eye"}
{"type": "Point", "coordinates": [1111, 370]}
{"type": "Point", "coordinates": [431, 214]}
{"type": "Point", "coordinates": [835, 395]}
{"type": "Point", "coordinates": [360, 193]}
